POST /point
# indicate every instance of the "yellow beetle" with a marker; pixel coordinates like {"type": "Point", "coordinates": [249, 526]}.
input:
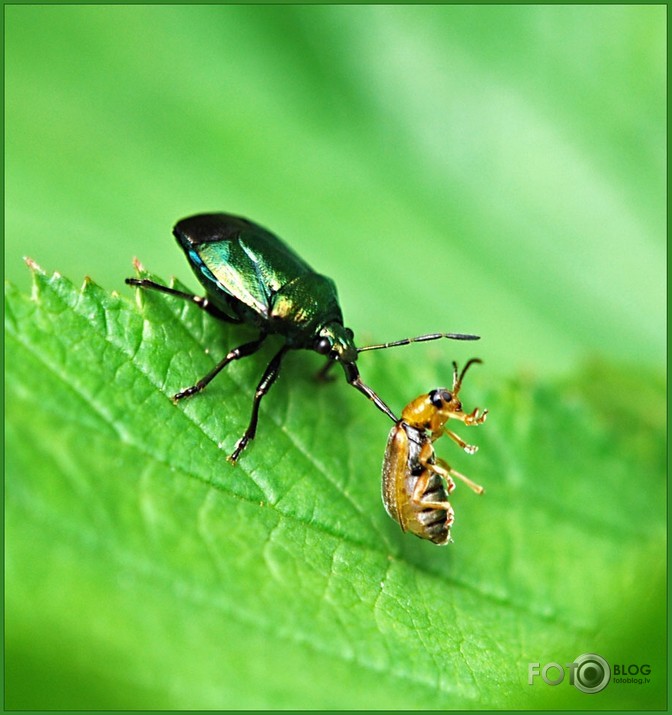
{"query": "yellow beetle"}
{"type": "Point", "coordinates": [416, 484]}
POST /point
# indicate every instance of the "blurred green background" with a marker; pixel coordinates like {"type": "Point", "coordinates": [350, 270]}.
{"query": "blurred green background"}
{"type": "Point", "coordinates": [497, 170]}
{"type": "Point", "coordinates": [491, 170]}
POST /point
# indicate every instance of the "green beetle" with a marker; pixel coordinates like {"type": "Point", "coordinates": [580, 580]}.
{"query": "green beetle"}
{"type": "Point", "coordinates": [250, 276]}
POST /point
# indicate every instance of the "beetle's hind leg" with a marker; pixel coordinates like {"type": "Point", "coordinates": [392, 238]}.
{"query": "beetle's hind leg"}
{"type": "Point", "coordinates": [422, 497]}
{"type": "Point", "coordinates": [429, 469]}
{"type": "Point", "coordinates": [235, 354]}
{"type": "Point", "coordinates": [446, 471]}
{"type": "Point", "coordinates": [268, 378]}
{"type": "Point", "coordinates": [202, 303]}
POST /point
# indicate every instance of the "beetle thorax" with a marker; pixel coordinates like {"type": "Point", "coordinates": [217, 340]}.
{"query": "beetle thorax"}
{"type": "Point", "coordinates": [431, 412]}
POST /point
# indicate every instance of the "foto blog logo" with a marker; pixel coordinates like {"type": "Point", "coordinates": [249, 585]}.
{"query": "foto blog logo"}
{"type": "Point", "coordinates": [589, 673]}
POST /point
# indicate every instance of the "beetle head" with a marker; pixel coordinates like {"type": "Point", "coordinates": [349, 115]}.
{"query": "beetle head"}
{"type": "Point", "coordinates": [336, 342]}
{"type": "Point", "coordinates": [431, 411]}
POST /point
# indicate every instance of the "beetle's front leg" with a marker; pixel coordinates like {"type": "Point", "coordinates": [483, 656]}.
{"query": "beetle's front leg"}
{"type": "Point", "coordinates": [353, 378]}
{"type": "Point", "coordinates": [474, 418]}
{"type": "Point", "coordinates": [322, 374]}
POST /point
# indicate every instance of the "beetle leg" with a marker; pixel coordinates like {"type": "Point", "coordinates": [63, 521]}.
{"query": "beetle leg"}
{"type": "Point", "coordinates": [429, 465]}
{"type": "Point", "coordinates": [235, 354]}
{"type": "Point", "coordinates": [468, 448]}
{"type": "Point", "coordinates": [202, 303]}
{"type": "Point", "coordinates": [269, 377]}
{"type": "Point", "coordinates": [474, 418]}
{"type": "Point", "coordinates": [352, 376]}
{"type": "Point", "coordinates": [446, 471]}
{"type": "Point", "coordinates": [323, 374]}
{"type": "Point", "coordinates": [421, 488]}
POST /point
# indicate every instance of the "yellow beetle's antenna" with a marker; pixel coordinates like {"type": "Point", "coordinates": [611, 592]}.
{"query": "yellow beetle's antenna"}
{"type": "Point", "coordinates": [457, 381]}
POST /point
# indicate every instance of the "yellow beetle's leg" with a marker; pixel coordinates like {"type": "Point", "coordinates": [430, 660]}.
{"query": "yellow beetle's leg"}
{"type": "Point", "coordinates": [471, 420]}
{"type": "Point", "coordinates": [468, 448]}
{"type": "Point", "coordinates": [426, 453]}
{"type": "Point", "coordinates": [474, 418]}
{"type": "Point", "coordinates": [446, 471]}
{"type": "Point", "coordinates": [420, 488]}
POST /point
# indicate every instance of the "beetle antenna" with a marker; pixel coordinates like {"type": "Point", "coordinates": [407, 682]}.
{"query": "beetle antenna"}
{"type": "Point", "coordinates": [420, 339]}
{"type": "Point", "coordinates": [457, 381]}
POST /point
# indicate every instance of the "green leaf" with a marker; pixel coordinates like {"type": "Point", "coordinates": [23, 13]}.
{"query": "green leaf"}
{"type": "Point", "coordinates": [143, 571]}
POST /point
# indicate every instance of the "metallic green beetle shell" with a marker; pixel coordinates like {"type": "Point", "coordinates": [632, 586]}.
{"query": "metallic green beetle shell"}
{"type": "Point", "coordinates": [249, 272]}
